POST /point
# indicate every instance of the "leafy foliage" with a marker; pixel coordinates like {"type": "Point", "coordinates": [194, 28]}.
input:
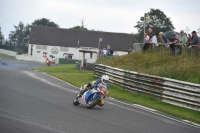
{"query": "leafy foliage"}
{"type": "Point", "coordinates": [79, 28]}
{"type": "Point", "coordinates": [159, 22]}
{"type": "Point", "coordinates": [20, 37]}
{"type": "Point", "coordinates": [82, 27]}
{"type": "Point", "coordinates": [45, 22]}
{"type": "Point", "coordinates": [1, 37]}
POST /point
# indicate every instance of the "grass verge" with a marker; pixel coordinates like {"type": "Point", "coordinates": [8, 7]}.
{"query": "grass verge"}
{"type": "Point", "coordinates": [7, 57]}
{"type": "Point", "coordinates": [182, 67]}
{"type": "Point", "coordinates": [78, 78]}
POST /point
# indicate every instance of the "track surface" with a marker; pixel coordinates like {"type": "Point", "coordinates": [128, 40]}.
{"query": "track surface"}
{"type": "Point", "coordinates": [34, 102]}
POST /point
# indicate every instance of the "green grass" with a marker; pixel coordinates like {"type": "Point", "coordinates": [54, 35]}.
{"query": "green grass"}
{"type": "Point", "coordinates": [78, 78]}
{"type": "Point", "coordinates": [183, 67]}
{"type": "Point", "coordinates": [7, 57]}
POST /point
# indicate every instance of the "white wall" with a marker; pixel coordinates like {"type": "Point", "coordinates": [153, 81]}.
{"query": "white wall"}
{"type": "Point", "coordinates": [7, 52]}
{"type": "Point", "coordinates": [75, 51]}
{"type": "Point", "coordinates": [30, 58]}
{"type": "Point", "coordinates": [71, 50]}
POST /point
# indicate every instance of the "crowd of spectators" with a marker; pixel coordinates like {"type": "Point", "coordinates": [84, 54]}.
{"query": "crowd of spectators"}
{"type": "Point", "coordinates": [178, 42]}
{"type": "Point", "coordinates": [106, 52]}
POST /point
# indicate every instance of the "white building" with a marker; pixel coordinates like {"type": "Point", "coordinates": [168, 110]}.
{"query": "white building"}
{"type": "Point", "coordinates": [56, 43]}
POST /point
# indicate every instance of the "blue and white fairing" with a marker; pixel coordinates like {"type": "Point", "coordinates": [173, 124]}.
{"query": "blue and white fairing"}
{"type": "Point", "coordinates": [86, 97]}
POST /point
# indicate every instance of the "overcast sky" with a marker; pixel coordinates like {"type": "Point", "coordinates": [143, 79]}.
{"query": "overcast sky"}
{"type": "Point", "coordinates": [105, 15]}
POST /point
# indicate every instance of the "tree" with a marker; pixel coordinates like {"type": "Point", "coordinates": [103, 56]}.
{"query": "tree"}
{"type": "Point", "coordinates": [1, 39]}
{"type": "Point", "coordinates": [82, 27]}
{"type": "Point", "coordinates": [138, 36]}
{"type": "Point", "coordinates": [78, 28]}
{"type": "Point", "coordinates": [20, 37]}
{"type": "Point", "coordinates": [159, 22]}
{"type": "Point", "coordinates": [45, 22]}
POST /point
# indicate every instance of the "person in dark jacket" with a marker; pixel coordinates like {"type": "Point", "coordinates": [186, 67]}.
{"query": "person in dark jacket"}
{"type": "Point", "coordinates": [111, 52]}
{"type": "Point", "coordinates": [195, 39]}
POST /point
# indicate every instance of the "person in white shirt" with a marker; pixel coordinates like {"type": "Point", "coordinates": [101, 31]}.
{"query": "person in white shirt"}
{"type": "Point", "coordinates": [104, 52]}
{"type": "Point", "coordinates": [147, 42]}
{"type": "Point", "coordinates": [154, 40]}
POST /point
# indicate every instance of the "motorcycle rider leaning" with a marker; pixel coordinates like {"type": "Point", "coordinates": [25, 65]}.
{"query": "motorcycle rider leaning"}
{"type": "Point", "coordinates": [104, 80]}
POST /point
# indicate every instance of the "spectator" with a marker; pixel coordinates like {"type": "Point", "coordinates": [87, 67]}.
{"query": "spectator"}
{"type": "Point", "coordinates": [111, 52]}
{"type": "Point", "coordinates": [104, 52]}
{"type": "Point", "coordinates": [182, 38]}
{"type": "Point", "coordinates": [163, 37]}
{"type": "Point", "coordinates": [150, 34]}
{"type": "Point", "coordinates": [195, 38]}
{"type": "Point", "coordinates": [147, 42]}
{"type": "Point", "coordinates": [154, 40]}
{"type": "Point", "coordinates": [130, 50]}
{"type": "Point", "coordinates": [172, 44]}
{"type": "Point", "coordinates": [182, 42]}
{"type": "Point", "coordinates": [189, 37]}
{"type": "Point", "coordinates": [159, 39]}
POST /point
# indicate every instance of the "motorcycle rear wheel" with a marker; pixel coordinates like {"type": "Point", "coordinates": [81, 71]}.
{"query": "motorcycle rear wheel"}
{"type": "Point", "coordinates": [91, 104]}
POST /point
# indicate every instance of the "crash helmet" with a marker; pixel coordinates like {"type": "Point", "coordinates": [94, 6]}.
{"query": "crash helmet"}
{"type": "Point", "coordinates": [104, 79]}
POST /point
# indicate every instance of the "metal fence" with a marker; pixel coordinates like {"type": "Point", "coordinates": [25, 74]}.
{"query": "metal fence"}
{"type": "Point", "coordinates": [172, 91]}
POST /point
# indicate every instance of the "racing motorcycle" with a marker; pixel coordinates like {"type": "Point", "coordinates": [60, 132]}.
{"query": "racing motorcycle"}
{"type": "Point", "coordinates": [48, 62]}
{"type": "Point", "coordinates": [91, 97]}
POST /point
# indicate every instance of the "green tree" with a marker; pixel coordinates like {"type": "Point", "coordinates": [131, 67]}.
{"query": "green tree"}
{"type": "Point", "coordinates": [159, 22]}
{"type": "Point", "coordinates": [45, 22]}
{"type": "Point", "coordinates": [137, 36]}
{"type": "Point", "coordinates": [78, 28]}
{"type": "Point", "coordinates": [1, 39]}
{"type": "Point", "coordinates": [20, 37]}
{"type": "Point", "coordinates": [82, 27]}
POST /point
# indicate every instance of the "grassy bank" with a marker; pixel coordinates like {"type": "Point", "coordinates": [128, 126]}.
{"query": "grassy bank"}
{"type": "Point", "coordinates": [183, 67]}
{"type": "Point", "coordinates": [7, 57]}
{"type": "Point", "coordinates": [78, 78]}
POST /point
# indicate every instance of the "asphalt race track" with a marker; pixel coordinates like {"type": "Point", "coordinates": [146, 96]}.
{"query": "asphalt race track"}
{"type": "Point", "coordinates": [34, 102]}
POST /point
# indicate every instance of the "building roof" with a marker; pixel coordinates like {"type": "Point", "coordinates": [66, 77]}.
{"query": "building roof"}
{"type": "Point", "coordinates": [75, 38]}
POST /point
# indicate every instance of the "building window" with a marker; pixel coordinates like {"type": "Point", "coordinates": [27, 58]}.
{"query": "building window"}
{"type": "Point", "coordinates": [44, 47]}
{"type": "Point", "coordinates": [64, 49]}
{"type": "Point", "coordinates": [41, 47]}
{"type": "Point", "coordinates": [38, 47]}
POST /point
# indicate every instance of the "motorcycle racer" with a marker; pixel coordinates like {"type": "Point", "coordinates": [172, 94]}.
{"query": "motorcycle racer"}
{"type": "Point", "coordinates": [104, 80]}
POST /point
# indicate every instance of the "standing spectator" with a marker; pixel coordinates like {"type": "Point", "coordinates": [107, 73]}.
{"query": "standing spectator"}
{"type": "Point", "coordinates": [154, 40]}
{"type": "Point", "coordinates": [183, 38]}
{"type": "Point", "coordinates": [172, 44]}
{"type": "Point", "coordinates": [111, 52]}
{"type": "Point", "coordinates": [195, 38]}
{"type": "Point", "coordinates": [150, 34]}
{"type": "Point", "coordinates": [104, 52]}
{"type": "Point", "coordinates": [159, 39]}
{"type": "Point", "coordinates": [189, 37]}
{"type": "Point", "coordinates": [163, 37]}
{"type": "Point", "coordinates": [182, 43]}
{"type": "Point", "coordinates": [130, 50]}
{"type": "Point", "coordinates": [147, 42]}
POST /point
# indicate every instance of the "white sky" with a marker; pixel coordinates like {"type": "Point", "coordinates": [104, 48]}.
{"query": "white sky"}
{"type": "Point", "coordinates": [105, 15]}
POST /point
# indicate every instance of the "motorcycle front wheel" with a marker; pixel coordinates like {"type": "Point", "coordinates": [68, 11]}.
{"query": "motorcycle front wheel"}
{"type": "Point", "coordinates": [75, 101]}
{"type": "Point", "coordinates": [93, 103]}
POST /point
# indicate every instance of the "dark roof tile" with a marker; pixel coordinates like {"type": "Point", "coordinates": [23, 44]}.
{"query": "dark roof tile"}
{"type": "Point", "coordinates": [69, 38]}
